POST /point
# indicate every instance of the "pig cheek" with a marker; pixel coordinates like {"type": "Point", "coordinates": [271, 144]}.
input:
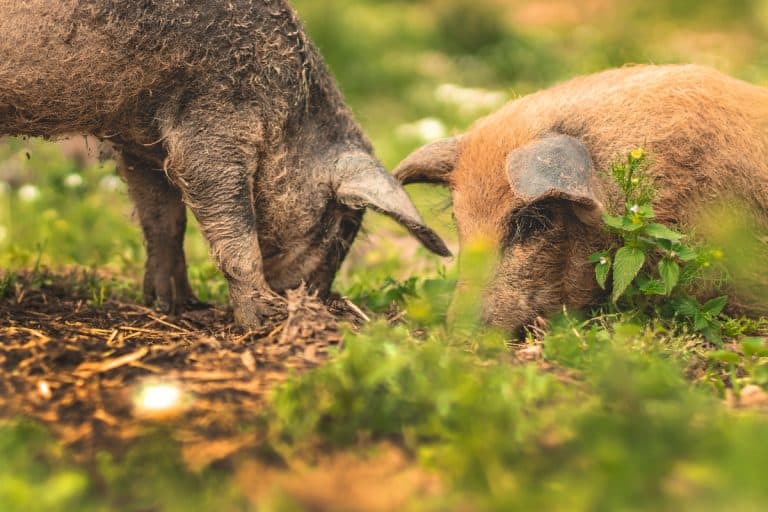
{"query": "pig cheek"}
{"type": "Point", "coordinates": [323, 258]}
{"type": "Point", "coordinates": [580, 286]}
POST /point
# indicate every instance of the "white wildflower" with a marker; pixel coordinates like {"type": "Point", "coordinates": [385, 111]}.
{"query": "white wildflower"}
{"type": "Point", "coordinates": [603, 260]}
{"type": "Point", "coordinates": [635, 209]}
{"type": "Point", "coordinates": [73, 180]}
{"type": "Point", "coordinates": [425, 130]}
{"type": "Point", "coordinates": [29, 193]}
{"type": "Point", "coordinates": [110, 183]}
{"type": "Point", "coordinates": [469, 100]}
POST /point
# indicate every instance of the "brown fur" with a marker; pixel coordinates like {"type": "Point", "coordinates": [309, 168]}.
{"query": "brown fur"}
{"type": "Point", "coordinates": [224, 105]}
{"type": "Point", "coordinates": [708, 137]}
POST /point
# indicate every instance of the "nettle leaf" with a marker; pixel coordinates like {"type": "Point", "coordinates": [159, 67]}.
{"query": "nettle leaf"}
{"type": "Point", "coordinates": [630, 226]}
{"type": "Point", "coordinates": [650, 286]}
{"type": "Point", "coordinates": [613, 221]}
{"type": "Point", "coordinates": [684, 253]}
{"type": "Point", "coordinates": [686, 306]}
{"type": "Point", "coordinates": [646, 211]}
{"type": "Point", "coordinates": [700, 321]}
{"type": "Point", "coordinates": [662, 232]}
{"type": "Point", "coordinates": [601, 273]}
{"type": "Point", "coordinates": [715, 306]}
{"type": "Point", "coordinates": [626, 265]}
{"type": "Point", "coordinates": [669, 271]}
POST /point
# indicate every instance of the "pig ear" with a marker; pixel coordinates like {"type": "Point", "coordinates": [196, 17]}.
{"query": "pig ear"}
{"type": "Point", "coordinates": [361, 182]}
{"type": "Point", "coordinates": [432, 163]}
{"type": "Point", "coordinates": [555, 167]}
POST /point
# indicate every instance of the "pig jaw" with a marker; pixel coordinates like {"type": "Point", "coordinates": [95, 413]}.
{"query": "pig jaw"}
{"type": "Point", "coordinates": [541, 276]}
{"type": "Point", "coordinates": [313, 260]}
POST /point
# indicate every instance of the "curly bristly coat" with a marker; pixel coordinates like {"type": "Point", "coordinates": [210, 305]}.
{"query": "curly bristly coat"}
{"type": "Point", "coordinates": [222, 106]}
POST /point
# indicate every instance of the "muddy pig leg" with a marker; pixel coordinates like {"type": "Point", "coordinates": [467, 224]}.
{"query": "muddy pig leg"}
{"type": "Point", "coordinates": [163, 219]}
{"type": "Point", "coordinates": [212, 172]}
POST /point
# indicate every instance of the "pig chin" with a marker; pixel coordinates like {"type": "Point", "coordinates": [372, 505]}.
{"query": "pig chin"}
{"type": "Point", "coordinates": [290, 272]}
{"type": "Point", "coordinates": [507, 307]}
{"type": "Point", "coordinates": [512, 319]}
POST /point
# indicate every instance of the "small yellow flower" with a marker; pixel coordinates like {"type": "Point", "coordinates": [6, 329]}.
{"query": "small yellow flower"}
{"type": "Point", "coordinates": [717, 254]}
{"type": "Point", "coordinates": [637, 154]}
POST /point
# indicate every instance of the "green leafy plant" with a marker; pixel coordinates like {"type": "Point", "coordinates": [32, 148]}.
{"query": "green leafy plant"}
{"type": "Point", "coordinates": [652, 264]}
{"type": "Point", "coordinates": [98, 291]}
{"type": "Point", "coordinates": [7, 284]}
{"type": "Point", "coordinates": [381, 298]}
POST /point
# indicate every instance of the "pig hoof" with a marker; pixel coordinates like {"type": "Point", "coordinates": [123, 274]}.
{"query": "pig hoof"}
{"type": "Point", "coordinates": [175, 307]}
{"type": "Point", "coordinates": [256, 313]}
{"type": "Point", "coordinates": [194, 304]}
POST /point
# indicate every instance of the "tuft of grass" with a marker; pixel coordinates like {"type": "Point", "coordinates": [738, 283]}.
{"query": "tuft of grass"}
{"type": "Point", "coordinates": [611, 421]}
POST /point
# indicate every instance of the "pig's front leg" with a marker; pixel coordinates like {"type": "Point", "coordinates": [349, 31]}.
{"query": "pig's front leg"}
{"type": "Point", "coordinates": [214, 179]}
{"type": "Point", "coordinates": [163, 219]}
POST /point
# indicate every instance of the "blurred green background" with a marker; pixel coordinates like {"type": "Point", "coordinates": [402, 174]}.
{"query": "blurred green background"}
{"type": "Point", "coordinates": [412, 71]}
{"type": "Point", "coordinates": [617, 427]}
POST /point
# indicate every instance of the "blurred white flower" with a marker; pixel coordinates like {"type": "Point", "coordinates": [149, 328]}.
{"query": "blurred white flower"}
{"type": "Point", "coordinates": [160, 400]}
{"type": "Point", "coordinates": [425, 130]}
{"type": "Point", "coordinates": [29, 193]}
{"type": "Point", "coordinates": [159, 397]}
{"type": "Point", "coordinates": [468, 100]}
{"type": "Point", "coordinates": [110, 183]}
{"type": "Point", "coordinates": [44, 389]}
{"type": "Point", "coordinates": [73, 180]}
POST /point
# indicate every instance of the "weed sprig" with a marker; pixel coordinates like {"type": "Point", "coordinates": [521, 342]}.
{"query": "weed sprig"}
{"type": "Point", "coordinates": [653, 265]}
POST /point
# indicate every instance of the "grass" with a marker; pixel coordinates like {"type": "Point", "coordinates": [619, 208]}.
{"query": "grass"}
{"type": "Point", "coordinates": [606, 412]}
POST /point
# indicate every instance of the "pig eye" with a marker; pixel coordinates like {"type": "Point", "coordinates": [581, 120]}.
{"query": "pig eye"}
{"type": "Point", "coordinates": [527, 222]}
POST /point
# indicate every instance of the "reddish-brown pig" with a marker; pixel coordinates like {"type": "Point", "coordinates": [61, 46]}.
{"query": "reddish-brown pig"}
{"type": "Point", "coordinates": [533, 178]}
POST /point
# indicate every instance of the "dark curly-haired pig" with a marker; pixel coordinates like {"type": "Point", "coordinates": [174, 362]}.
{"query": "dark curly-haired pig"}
{"type": "Point", "coordinates": [534, 177]}
{"type": "Point", "coordinates": [220, 105]}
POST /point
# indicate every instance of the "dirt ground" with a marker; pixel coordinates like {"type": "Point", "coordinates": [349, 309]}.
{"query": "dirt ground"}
{"type": "Point", "coordinates": [100, 375]}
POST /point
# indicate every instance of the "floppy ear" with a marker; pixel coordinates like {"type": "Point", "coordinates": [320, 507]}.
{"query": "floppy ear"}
{"type": "Point", "coordinates": [361, 182]}
{"type": "Point", "coordinates": [556, 167]}
{"type": "Point", "coordinates": [432, 163]}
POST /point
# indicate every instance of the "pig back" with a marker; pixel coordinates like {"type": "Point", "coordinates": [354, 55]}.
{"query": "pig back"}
{"type": "Point", "coordinates": [706, 133]}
